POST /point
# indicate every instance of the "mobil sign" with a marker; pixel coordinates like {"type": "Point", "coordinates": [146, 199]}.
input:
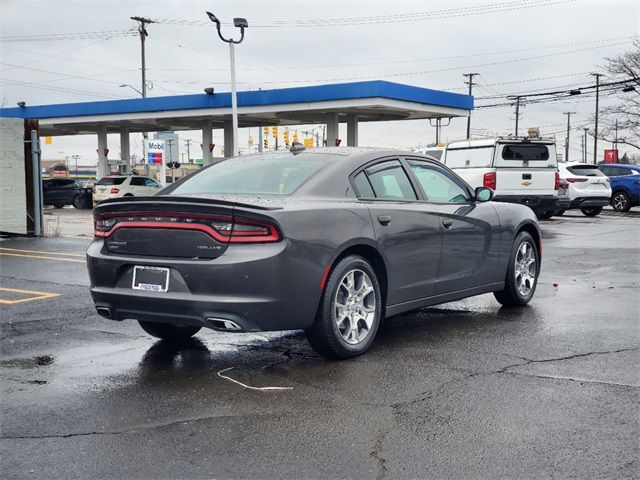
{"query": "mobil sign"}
{"type": "Point", "coordinates": [155, 152]}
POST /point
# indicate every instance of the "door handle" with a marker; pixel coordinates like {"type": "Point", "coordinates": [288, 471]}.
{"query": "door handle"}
{"type": "Point", "coordinates": [446, 223]}
{"type": "Point", "coordinates": [384, 219]}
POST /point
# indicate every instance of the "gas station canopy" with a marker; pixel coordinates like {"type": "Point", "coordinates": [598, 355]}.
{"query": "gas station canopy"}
{"type": "Point", "coordinates": [360, 101]}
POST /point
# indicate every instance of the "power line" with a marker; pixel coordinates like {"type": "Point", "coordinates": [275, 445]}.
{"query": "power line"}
{"type": "Point", "coordinates": [385, 19]}
{"type": "Point", "coordinates": [67, 36]}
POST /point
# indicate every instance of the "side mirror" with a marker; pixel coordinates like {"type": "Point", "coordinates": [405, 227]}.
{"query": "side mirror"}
{"type": "Point", "coordinates": [483, 194]}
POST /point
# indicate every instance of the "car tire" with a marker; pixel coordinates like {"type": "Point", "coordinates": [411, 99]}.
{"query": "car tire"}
{"type": "Point", "coordinates": [559, 213]}
{"type": "Point", "coordinates": [620, 201]}
{"type": "Point", "coordinates": [520, 285]}
{"type": "Point", "coordinates": [591, 211]}
{"type": "Point", "coordinates": [78, 202]}
{"type": "Point", "coordinates": [58, 205]}
{"type": "Point", "coordinates": [545, 215]}
{"type": "Point", "coordinates": [350, 310]}
{"type": "Point", "coordinates": [168, 332]}
{"type": "Point", "coordinates": [128, 195]}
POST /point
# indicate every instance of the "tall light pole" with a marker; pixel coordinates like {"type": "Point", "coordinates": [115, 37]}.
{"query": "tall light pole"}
{"type": "Point", "coordinates": [240, 23]}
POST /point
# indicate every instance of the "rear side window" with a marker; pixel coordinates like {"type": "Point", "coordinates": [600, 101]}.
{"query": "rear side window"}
{"type": "Point", "coordinates": [272, 174]}
{"type": "Point", "coordinates": [469, 157]}
{"type": "Point", "coordinates": [586, 170]}
{"type": "Point", "coordinates": [525, 152]}
{"type": "Point", "coordinates": [363, 186]}
{"type": "Point", "coordinates": [111, 181]}
{"type": "Point", "coordinates": [390, 181]}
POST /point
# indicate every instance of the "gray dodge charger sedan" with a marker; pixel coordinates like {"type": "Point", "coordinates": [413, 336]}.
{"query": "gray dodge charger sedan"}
{"type": "Point", "coordinates": [330, 240]}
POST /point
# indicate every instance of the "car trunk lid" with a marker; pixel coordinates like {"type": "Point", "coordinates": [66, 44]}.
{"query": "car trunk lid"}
{"type": "Point", "coordinates": [180, 227]}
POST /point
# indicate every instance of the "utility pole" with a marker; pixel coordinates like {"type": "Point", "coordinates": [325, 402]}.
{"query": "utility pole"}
{"type": "Point", "coordinates": [142, 30]}
{"type": "Point", "coordinates": [586, 131]}
{"type": "Point", "coordinates": [616, 141]}
{"type": "Point", "coordinates": [517, 99]}
{"type": "Point", "coordinates": [471, 84]}
{"type": "Point", "coordinates": [188, 142]}
{"type": "Point", "coordinates": [595, 133]}
{"type": "Point", "coordinates": [566, 145]}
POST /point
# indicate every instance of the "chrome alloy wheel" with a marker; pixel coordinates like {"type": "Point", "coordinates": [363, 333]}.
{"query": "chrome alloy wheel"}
{"type": "Point", "coordinates": [525, 268]}
{"type": "Point", "coordinates": [354, 306]}
{"type": "Point", "coordinates": [620, 202]}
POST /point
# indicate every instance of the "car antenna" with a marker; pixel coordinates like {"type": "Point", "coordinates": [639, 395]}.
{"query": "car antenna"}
{"type": "Point", "coordinates": [296, 148]}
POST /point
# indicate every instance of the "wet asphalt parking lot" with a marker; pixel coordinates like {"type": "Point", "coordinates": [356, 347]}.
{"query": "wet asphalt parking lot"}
{"type": "Point", "coordinates": [463, 390]}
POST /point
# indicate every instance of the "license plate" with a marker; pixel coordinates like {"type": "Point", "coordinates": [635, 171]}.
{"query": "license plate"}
{"type": "Point", "coordinates": [150, 279]}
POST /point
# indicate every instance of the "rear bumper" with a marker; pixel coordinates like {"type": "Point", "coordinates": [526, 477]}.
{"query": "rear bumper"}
{"type": "Point", "coordinates": [538, 203]}
{"type": "Point", "coordinates": [564, 202]}
{"type": "Point", "coordinates": [261, 287]}
{"type": "Point", "coordinates": [581, 202]}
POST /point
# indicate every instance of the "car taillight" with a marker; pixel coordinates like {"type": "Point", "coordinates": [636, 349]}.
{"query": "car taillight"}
{"type": "Point", "coordinates": [222, 228]}
{"type": "Point", "coordinates": [557, 187]}
{"type": "Point", "coordinates": [576, 179]}
{"type": "Point", "coordinates": [114, 190]}
{"type": "Point", "coordinates": [490, 180]}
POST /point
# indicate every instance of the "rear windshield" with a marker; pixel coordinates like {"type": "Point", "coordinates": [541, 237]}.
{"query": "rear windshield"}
{"type": "Point", "coordinates": [586, 171]}
{"type": "Point", "coordinates": [469, 157]}
{"type": "Point", "coordinates": [525, 152]}
{"type": "Point", "coordinates": [272, 174]}
{"type": "Point", "coordinates": [111, 181]}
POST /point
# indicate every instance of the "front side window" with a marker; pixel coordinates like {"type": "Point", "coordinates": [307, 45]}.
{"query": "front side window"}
{"type": "Point", "coordinates": [469, 157]}
{"type": "Point", "coordinates": [150, 183]}
{"type": "Point", "coordinates": [390, 182]}
{"type": "Point", "coordinates": [137, 182]}
{"type": "Point", "coordinates": [437, 186]}
{"type": "Point", "coordinates": [277, 174]}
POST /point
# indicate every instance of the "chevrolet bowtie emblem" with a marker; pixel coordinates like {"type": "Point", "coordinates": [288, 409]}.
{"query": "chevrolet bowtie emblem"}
{"type": "Point", "coordinates": [526, 183]}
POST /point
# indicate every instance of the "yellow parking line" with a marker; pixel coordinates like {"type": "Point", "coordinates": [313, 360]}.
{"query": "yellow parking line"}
{"type": "Point", "coordinates": [42, 251]}
{"type": "Point", "coordinates": [38, 296]}
{"type": "Point", "coordinates": [42, 257]}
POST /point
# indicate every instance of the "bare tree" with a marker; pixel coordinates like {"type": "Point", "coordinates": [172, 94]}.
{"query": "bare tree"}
{"type": "Point", "coordinates": [626, 109]}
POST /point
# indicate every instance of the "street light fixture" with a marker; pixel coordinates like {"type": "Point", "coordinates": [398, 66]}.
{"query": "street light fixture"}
{"type": "Point", "coordinates": [240, 23]}
{"type": "Point", "coordinates": [132, 88]}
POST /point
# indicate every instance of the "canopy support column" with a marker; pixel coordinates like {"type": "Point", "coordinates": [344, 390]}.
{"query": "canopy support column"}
{"type": "Point", "coordinates": [207, 141]}
{"type": "Point", "coordinates": [333, 129]}
{"type": "Point", "coordinates": [125, 152]}
{"type": "Point", "coordinates": [103, 165]}
{"type": "Point", "coordinates": [228, 139]}
{"type": "Point", "coordinates": [352, 130]}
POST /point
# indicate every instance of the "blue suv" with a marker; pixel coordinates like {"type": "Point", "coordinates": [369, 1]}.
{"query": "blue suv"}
{"type": "Point", "coordinates": [625, 185]}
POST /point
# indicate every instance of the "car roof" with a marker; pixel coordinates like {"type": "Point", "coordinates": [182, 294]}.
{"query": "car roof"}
{"type": "Point", "coordinates": [623, 165]}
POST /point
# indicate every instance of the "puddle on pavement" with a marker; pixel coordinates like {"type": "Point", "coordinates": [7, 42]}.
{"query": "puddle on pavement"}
{"type": "Point", "coordinates": [97, 365]}
{"type": "Point", "coordinates": [32, 362]}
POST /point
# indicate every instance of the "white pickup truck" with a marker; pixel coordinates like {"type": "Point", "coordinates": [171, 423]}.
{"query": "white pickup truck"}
{"type": "Point", "coordinates": [519, 170]}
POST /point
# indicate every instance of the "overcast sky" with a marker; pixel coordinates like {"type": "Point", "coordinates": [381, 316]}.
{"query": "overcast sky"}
{"type": "Point", "coordinates": [516, 46]}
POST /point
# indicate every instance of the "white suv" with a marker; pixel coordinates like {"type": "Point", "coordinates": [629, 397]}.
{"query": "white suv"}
{"type": "Point", "coordinates": [520, 170]}
{"type": "Point", "coordinates": [124, 186]}
{"type": "Point", "coordinates": [589, 188]}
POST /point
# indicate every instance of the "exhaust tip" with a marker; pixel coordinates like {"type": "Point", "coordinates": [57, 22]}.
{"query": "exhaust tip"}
{"type": "Point", "coordinates": [104, 312]}
{"type": "Point", "coordinates": [224, 325]}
